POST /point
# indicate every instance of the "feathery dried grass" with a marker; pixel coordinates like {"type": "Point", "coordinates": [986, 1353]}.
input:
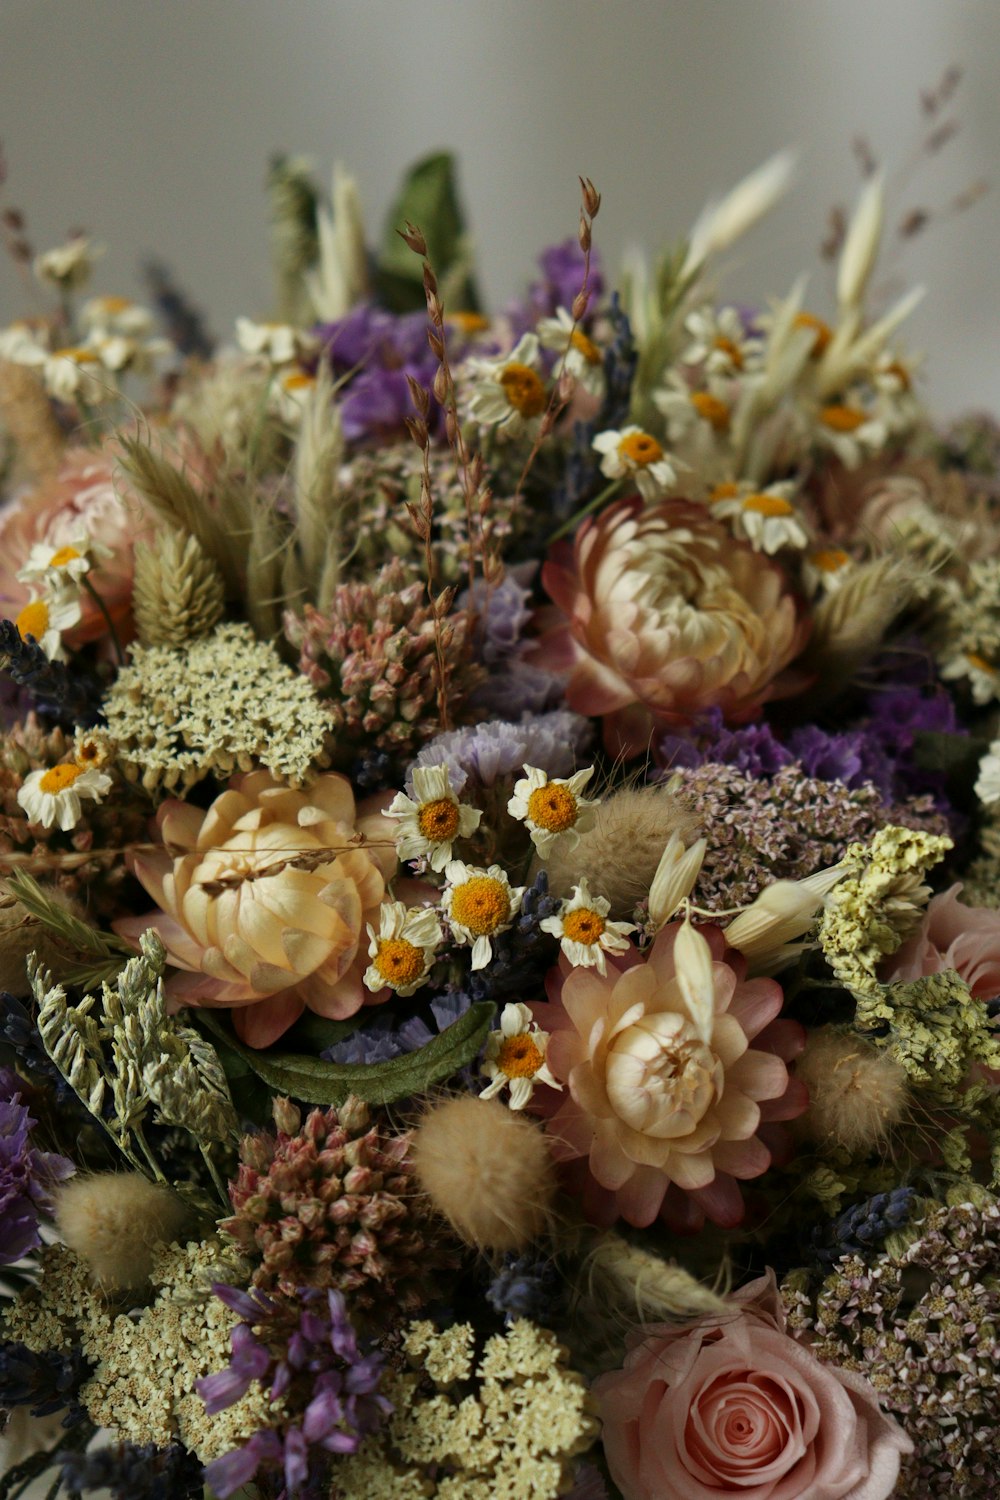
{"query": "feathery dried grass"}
{"type": "Point", "coordinates": [179, 594]}
{"type": "Point", "coordinates": [624, 1278]}
{"type": "Point", "coordinates": [852, 622]}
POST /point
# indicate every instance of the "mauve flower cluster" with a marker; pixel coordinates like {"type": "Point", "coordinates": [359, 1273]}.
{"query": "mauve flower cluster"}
{"type": "Point", "coordinates": [485, 755]}
{"type": "Point", "coordinates": [513, 686]}
{"type": "Point", "coordinates": [27, 1175]}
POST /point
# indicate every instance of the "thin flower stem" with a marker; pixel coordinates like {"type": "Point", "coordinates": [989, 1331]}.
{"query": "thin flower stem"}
{"type": "Point", "coordinates": [591, 505]}
{"type": "Point", "coordinates": [220, 1186]}
{"type": "Point", "coordinates": [107, 617]}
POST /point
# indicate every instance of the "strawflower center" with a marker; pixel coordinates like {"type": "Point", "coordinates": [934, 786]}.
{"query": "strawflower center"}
{"type": "Point", "coordinates": [842, 418]}
{"type": "Point", "coordinates": [767, 505]}
{"type": "Point", "coordinates": [639, 448]}
{"type": "Point", "coordinates": [64, 555]}
{"type": "Point", "coordinates": [481, 905]}
{"type": "Point", "coordinates": [711, 410]}
{"type": "Point", "coordinates": [830, 559]}
{"type": "Point", "coordinates": [583, 926]}
{"type": "Point", "coordinates": [59, 778]}
{"type": "Point", "coordinates": [438, 820]}
{"type": "Point", "coordinates": [731, 350]}
{"type": "Point", "coordinates": [519, 1057]}
{"type": "Point", "coordinates": [33, 619]}
{"type": "Point", "coordinates": [398, 961]}
{"type": "Point", "coordinates": [821, 330]}
{"type": "Point", "coordinates": [523, 389]}
{"type": "Point", "coordinates": [586, 347]}
{"type": "Point", "coordinates": [552, 807]}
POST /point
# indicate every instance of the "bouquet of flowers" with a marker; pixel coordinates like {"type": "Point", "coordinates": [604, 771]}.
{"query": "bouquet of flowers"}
{"type": "Point", "coordinates": [500, 902]}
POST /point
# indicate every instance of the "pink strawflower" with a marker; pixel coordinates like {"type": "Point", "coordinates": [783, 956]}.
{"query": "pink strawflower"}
{"type": "Point", "coordinates": [663, 1113]}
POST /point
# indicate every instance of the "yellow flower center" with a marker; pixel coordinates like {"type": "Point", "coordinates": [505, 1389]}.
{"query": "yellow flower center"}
{"type": "Point", "coordinates": [33, 620]}
{"type": "Point", "coordinates": [979, 662]}
{"type": "Point", "coordinates": [438, 820]}
{"type": "Point", "coordinates": [519, 1057]}
{"type": "Point", "coordinates": [731, 350]}
{"type": "Point", "coordinates": [821, 330]}
{"type": "Point", "coordinates": [830, 559]}
{"type": "Point", "coordinates": [553, 807]}
{"type": "Point", "coordinates": [583, 926]}
{"type": "Point", "coordinates": [63, 556]}
{"type": "Point", "coordinates": [842, 418]}
{"type": "Point", "coordinates": [640, 449]}
{"type": "Point", "coordinates": [469, 322]}
{"type": "Point", "coordinates": [59, 778]}
{"type": "Point", "coordinates": [725, 491]}
{"type": "Point", "coordinates": [523, 389]}
{"type": "Point", "coordinates": [768, 505]}
{"type": "Point", "coordinates": [79, 355]}
{"type": "Point", "coordinates": [114, 305]}
{"type": "Point", "coordinates": [300, 381]}
{"type": "Point", "coordinates": [711, 410]}
{"type": "Point", "coordinates": [586, 347]}
{"type": "Point", "coordinates": [398, 961]}
{"type": "Point", "coordinates": [89, 753]}
{"type": "Point", "coordinates": [481, 905]}
{"type": "Point", "coordinates": [901, 373]}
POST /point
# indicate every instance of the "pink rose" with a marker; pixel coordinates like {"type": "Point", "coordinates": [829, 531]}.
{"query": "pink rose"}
{"type": "Point", "coordinates": [738, 1407]}
{"type": "Point", "coordinates": [952, 936]}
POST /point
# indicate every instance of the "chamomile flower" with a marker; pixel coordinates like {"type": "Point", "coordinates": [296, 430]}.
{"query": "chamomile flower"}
{"type": "Point", "coordinates": [550, 807]}
{"type": "Point", "coordinates": [765, 518]}
{"type": "Point", "coordinates": [983, 677]}
{"type": "Point", "coordinates": [75, 373]}
{"type": "Point", "coordinates": [703, 411]}
{"type": "Point", "coordinates": [509, 393]}
{"type": "Point", "coordinates": [720, 342]}
{"type": "Point", "coordinates": [68, 266]}
{"type": "Point", "coordinates": [429, 822]}
{"type": "Point", "coordinates": [988, 781]}
{"type": "Point", "coordinates": [850, 430]}
{"type": "Point", "coordinates": [119, 351]}
{"type": "Point", "coordinates": [478, 904]}
{"type": "Point", "coordinates": [53, 798]}
{"type": "Point", "coordinates": [290, 394]}
{"type": "Point", "coordinates": [403, 949]}
{"type": "Point", "coordinates": [116, 315]}
{"type": "Point", "coordinates": [56, 569]}
{"type": "Point", "coordinates": [826, 568]}
{"type": "Point", "coordinates": [634, 454]}
{"type": "Point", "coordinates": [277, 342]}
{"type": "Point", "coordinates": [585, 934]}
{"type": "Point", "coordinates": [46, 619]}
{"type": "Point", "coordinates": [579, 356]}
{"type": "Point", "coordinates": [515, 1057]}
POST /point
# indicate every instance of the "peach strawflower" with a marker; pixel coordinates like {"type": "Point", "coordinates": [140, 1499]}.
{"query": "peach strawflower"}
{"type": "Point", "coordinates": [666, 1094]}
{"type": "Point", "coordinates": [663, 616]}
{"type": "Point", "coordinates": [264, 900]}
{"type": "Point", "coordinates": [952, 935]}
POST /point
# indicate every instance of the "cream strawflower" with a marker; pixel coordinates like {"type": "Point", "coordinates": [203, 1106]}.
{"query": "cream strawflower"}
{"type": "Point", "coordinates": [56, 569]}
{"type": "Point", "coordinates": [429, 822]}
{"type": "Point", "coordinates": [46, 619]}
{"type": "Point", "coordinates": [68, 266]}
{"type": "Point", "coordinates": [550, 807]}
{"type": "Point", "coordinates": [766, 518]}
{"type": "Point", "coordinates": [403, 949]}
{"type": "Point", "coordinates": [579, 355]}
{"type": "Point", "coordinates": [509, 393]}
{"type": "Point", "coordinates": [634, 454]}
{"type": "Point", "coordinates": [584, 932]}
{"type": "Point", "coordinates": [53, 798]}
{"type": "Point", "coordinates": [988, 780]}
{"type": "Point", "coordinates": [478, 904]}
{"type": "Point", "coordinates": [515, 1056]}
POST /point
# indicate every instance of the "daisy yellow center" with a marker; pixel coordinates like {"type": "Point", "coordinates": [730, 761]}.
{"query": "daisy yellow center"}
{"type": "Point", "coordinates": [59, 778]}
{"type": "Point", "coordinates": [523, 389]}
{"type": "Point", "coordinates": [901, 373]}
{"type": "Point", "coordinates": [641, 449]}
{"type": "Point", "coordinates": [842, 418]}
{"type": "Point", "coordinates": [33, 620]}
{"type": "Point", "coordinates": [81, 356]}
{"type": "Point", "coordinates": [398, 961]}
{"type": "Point", "coordinates": [768, 505]}
{"type": "Point", "coordinates": [583, 926]}
{"type": "Point", "coordinates": [830, 559]}
{"type": "Point", "coordinates": [979, 662]}
{"type": "Point", "coordinates": [438, 820]}
{"type": "Point", "coordinates": [114, 305]}
{"type": "Point", "coordinates": [519, 1057]}
{"type": "Point", "coordinates": [469, 322]}
{"type": "Point", "coordinates": [586, 347]}
{"type": "Point", "coordinates": [552, 807]}
{"type": "Point", "coordinates": [821, 332]}
{"type": "Point", "coordinates": [63, 556]}
{"type": "Point", "coordinates": [481, 905]}
{"type": "Point", "coordinates": [299, 382]}
{"type": "Point", "coordinates": [725, 491]}
{"type": "Point", "coordinates": [731, 350]}
{"type": "Point", "coordinates": [711, 409]}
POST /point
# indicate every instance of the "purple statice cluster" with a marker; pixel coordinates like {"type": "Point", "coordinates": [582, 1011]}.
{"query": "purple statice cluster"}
{"type": "Point", "coordinates": [27, 1175]}
{"type": "Point", "coordinates": [374, 352]}
{"type": "Point", "coordinates": [513, 686]}
{"type": "Point", "coordinates": [483, 756]}
{"type": "Point", "coordinates": [384, 1036]}
{"type": "Point", "coordinates": [562, 269]}
{"type": "Point", "coordinates": [305, 1350]}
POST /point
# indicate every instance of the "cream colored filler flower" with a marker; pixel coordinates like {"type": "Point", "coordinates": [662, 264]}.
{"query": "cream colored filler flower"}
{"type": "Point", "coordinates": [403, 949]}
{"type": "Point", "coordinates": [429, 822]}
{"type": "Point", "coordinates": [478, 905]}
{"type": "Point", "coordinates": [54, 797]}
{"type": "Point", "coordinates": [585, 934]}
{"type": "Point", "coordinates": [550, 807]}
{"type": "Point", "coordinates": [515, 1057]}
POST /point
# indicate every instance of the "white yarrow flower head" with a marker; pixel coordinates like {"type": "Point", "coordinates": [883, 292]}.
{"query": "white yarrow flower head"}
{"type": "Point", "coordinates": [988, 780]}
{"type": "Point", "coordinates": [635, 454]}
{"type": "Point", "coordinates": [579, 355]}
{"type": "Point", "coordinates": [429, 822]}
{"type": "Point", "coordinates": [585, 934]}
{"type": "Point", "coordinates": [509, 393]}
{"type": "Point", "coordinates": [46, 619]}
{"type": "Point", "coordinates": [402, 951]}
{"type": "Point", "coordinates": [515, 1057]}
{"type": "Point", "coordinates": [54, 798]}
{"type": "Point", "coordinates": [478, 904]}
{"type": "Point", "coordinates": [551, 807]}
{"type": "Point", "coordinates": [59, 568]}
{"type": "Point", "coordinates": [765, 518]}
{"type": "Point", "coordinates": [68, 266]}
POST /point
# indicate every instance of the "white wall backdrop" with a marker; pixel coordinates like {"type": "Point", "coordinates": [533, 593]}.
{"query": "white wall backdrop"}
{"type": "Point", "coordinates": [150, 122]}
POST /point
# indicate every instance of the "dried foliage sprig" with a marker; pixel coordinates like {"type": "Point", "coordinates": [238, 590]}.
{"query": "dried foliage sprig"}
{"type": "Point", "coordinates": [91, 956]}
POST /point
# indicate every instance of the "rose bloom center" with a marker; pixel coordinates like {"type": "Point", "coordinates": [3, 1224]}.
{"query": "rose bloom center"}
{"type": "Point", "coordinates": [481, 905]}
{"type": "Point", "coordinates": [660, 1077]}
{"type": "Point", "coordinates": [399, 961]}
{"type": "Point", "coordinates": [746, 1416]}
{"type": "Point", "coordinates": [583, 925]}
{"type": "Point", "coordinates": [59, 778]}
{"type": "Point", "coordinates": [523, 389]}
{"type": "Point", "coordinates": [553, 808]}
{"type": "Point", "coordinates": [519, 1057]}
{"type": "Point", "coordinates": [640, 448]}
{"type": "Point", "coordinates": [438, 820]}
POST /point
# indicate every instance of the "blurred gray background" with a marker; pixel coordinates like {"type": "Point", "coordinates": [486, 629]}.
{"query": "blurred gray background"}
{"type": "Point", "coordinates": [150, 122]}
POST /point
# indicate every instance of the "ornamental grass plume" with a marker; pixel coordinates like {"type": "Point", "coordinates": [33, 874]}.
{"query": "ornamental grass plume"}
{"type": "Point", "coordinates": [332, 1201]}
{"type": "Point", "coordinates": [116, 1221]}
{"type": "Point", "coordinates": [857, 1093]}
{"type": "Point", "coordinates": [26, 415]}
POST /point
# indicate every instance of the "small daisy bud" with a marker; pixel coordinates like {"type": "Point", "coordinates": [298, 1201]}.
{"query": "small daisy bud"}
{"type": "Point", "coordinates": [116, 1220]}
{"type": "Point", "coordinates": [487, 1170]}
{"type": "Point", "coordinates": [856, 1093]}
{"type": "Point", "coordinates": [287, 1117]}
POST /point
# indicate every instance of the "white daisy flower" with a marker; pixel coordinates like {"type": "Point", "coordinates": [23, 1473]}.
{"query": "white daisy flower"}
{"type": "Point", "coordinates": [56, 569]}
{"type": "Point", "coordinates": [403, 949]}
{"type": "Point", "coordinates": [584, 932]}
{"type": "Point", "coordinates": [515, 1057]}
{"type": "Point", "coordinates": [120, 351]}
{"type": "Point", "coordinates": [766, 518]}
{"type": "Point", "coordinates": [46, 619]}
{"type": "Point", "coordinates": [704, 410]}
{"type": "Point", "coordinates": [23, 343]}
{"type": "Point", "coordinates": [68, 266]}
{"type": "Point", "coordinates": [550, 807]}
{"type": "Point", "coordinates": [826, 569]}
{"type": "Point", "coordinates": [277, 342]}
{"type": "Point", "coordinates": [632, 453]}
{"type": "Point", "coordinates": [988, 780]}
{"type": "Point", "coordinates": [75, 373]}
{"type": "Point", "coordinates": [720, 342]}
{"type": "Point", "coordinates": [850, 431]}
{"type": "Point", "coordinates": [290, 394]}
{"type": "Point", "coordinates": [479, 904]}
{"type": "Point", "coordinates": [53, 798]}
{"type": "Point", "coordinates": [579, 355]}
{"type": "Point", "coordinates": [430, 824]}
{"type": "Point", "coordinates": [116, 315]}
{"type": "Point", "coordinates": [509, 393]}
{"type": "Point", "coordinates": [983, 677]}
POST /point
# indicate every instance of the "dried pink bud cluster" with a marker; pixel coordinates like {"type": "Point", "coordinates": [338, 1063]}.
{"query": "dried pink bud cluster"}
{"type": "Point", "coordinates": [374, 658]}
{"type": "Point", "coordinates": [332, 1202]}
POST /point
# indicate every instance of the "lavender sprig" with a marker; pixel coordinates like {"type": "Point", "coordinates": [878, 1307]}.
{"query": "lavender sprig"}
{"type": "Point", "coordinates": [69, 697]}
